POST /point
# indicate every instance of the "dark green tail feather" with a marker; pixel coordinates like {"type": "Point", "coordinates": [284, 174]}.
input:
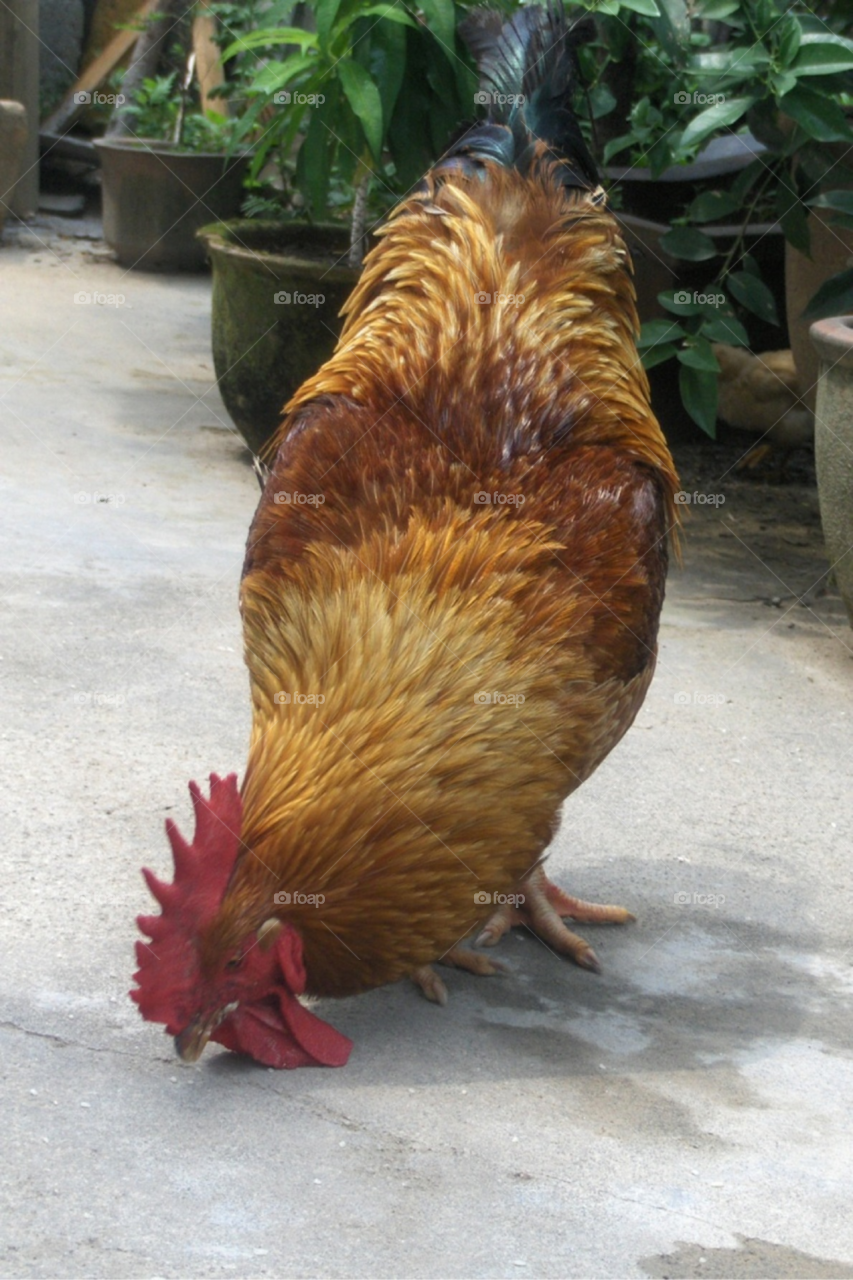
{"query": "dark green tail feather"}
{"type": "Point", "coordinates": [527, 69]}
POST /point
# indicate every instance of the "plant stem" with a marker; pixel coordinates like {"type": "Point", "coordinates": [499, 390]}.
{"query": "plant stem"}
{"type": "Point", "coordinates": [739, 240]}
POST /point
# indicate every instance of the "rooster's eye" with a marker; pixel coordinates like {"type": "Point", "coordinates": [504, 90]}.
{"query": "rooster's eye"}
{"type": "Point", "coordinates": [234, 962]}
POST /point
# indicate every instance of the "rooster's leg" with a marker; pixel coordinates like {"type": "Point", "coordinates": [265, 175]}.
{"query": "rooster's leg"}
{"type": "Point", "coordinates": [542, 911]}
{"type": "Point", "coordinates": [456, 958]}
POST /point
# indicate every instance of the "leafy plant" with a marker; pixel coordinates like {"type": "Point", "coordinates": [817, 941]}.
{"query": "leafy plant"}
{"type": "Point", "coordinates": [156, 112]}
{"type": "Point", "coordinates": [371, 94]}
{"type": "Point", "coordinates": [778, 70]}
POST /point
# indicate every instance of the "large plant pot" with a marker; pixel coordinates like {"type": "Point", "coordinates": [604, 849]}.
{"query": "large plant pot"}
{"type": "Point", "coordinates": [155, 199]}
{"type": "Point", "coordinates": [831, 252]}
{"type": "Point", "coordinates": [665, 197]}
{"type": "Point", "coordinates": [833, 342]}
{"type": "Point", "coordinates": [278, 290]}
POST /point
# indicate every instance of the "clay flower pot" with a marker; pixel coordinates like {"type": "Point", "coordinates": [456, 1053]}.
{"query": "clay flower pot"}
{"type": "Point", "coordinates": [156, 197]}
{"type": "Point", "coordinates": [278, 289]}
{"type": "Point", "coordinates": [833, 340]}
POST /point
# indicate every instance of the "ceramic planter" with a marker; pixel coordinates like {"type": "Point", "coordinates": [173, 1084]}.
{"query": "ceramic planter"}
{"type": "Point", "coordinates": [833, 341]}
{"type": "Point", "coordinates": [664, 197]}
{"type": "Point", "coordinates": [831, 252]}
{"type": "Point", "coordinates": [155, 199]}
{"type": "Point", "coordinates": [278, 289]}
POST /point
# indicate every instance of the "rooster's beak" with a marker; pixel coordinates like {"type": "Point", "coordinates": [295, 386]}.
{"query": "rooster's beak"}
{"type": "Point", "coordinates": [191, 1041]}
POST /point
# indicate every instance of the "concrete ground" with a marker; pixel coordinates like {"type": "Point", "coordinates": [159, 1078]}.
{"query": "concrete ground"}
{"type": "Point", "coordinates": [688, 1113]}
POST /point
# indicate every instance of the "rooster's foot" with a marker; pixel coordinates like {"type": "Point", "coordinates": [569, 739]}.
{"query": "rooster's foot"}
{"type": "Point", "coordinates": [456, 958]}
{"type": "Point", "coordinates": [542, 911]}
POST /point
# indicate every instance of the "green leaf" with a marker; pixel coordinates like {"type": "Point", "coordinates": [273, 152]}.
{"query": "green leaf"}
{"type": "Point", "coordinates": [363, 96]}
{"type": "Point", "coordinates": [601, 101]}
{"type": "Point", "coordinates": [688, 243]}
{"type": "Point", "coordinates": [725, 329]}
{"type": "Point", "coordinates": [672, 28]}
{"type": "Point", "coordinates": [653, 332]}
{"type": "Point", "coordinates": [823, 59]}
{"type": "Point", "coordinates": [274, 75]}
{"type": "Point", "coordinates": [753, 294]}
{"type": "Point", "coordinates": [790, 37]}
{"type": "Point", "coordinates": [314, 161]}
{"type": "Point", "coordinates": [680, 302]}
{"type": "Point", "coordinates": [325, 12]}
{"type": "Point", "coordinates": [783, 83]}
{"type": "Point", "coordinates": [833, 298]}
{"type": "Point", "coordinates": [822, 35]}
{"type": "Point", "coordinates": [657, 355]}
{"type": "Point", "coordinates": [721, 115]}
{"type": "Point", "coordinates": [647, 7]}
{"type": "Point", "coordinates": [820, 117]}
{"type": "Point", "coordinates": [717, 10]}
{"type": "Point", "coordinates": [441, 19]}
{"type": "Point", "coordinates": [746, 179]}
{"type": "Point", "coordinates": [699, 396]}
{"type": "Point", "coordinates": [616, 145]}
{"type": "Point", "coordinates": [392, 12]}
{"type": "Point", "coordinates": [711, 206]}
{"type": "Point", "coordinates": [734, 64]}
{"type": "Point", "coordinates": [697, 354]}
{"type": "Point", "coordinates": [383, 54]}
{"type": "Point", "coordinates": [270, 36]}
{"type": "Point", "coordinates": [842, 201]}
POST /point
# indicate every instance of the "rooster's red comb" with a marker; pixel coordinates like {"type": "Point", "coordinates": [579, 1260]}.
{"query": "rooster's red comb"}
{"type": "Point", "coordinates": [202, 872]}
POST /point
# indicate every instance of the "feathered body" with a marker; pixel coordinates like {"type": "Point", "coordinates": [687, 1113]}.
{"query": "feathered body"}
{"type": "Point", "coordinates": [491, 498]}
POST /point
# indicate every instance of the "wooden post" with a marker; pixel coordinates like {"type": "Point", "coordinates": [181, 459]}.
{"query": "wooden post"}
{"type": "Point", "coordinates": [208, 63]}
{"type": "Point", "coordinates": [75, 99]}
{"type": "Point", "coordinates": [19, 80]}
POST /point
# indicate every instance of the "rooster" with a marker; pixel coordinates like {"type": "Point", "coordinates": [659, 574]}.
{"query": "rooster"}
{"type": "Point", "coordinates": [450, 596]}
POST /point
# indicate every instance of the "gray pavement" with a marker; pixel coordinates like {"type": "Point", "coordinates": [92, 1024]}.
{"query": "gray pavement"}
{"type": "Point", "coordinates": [688, 1113]}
